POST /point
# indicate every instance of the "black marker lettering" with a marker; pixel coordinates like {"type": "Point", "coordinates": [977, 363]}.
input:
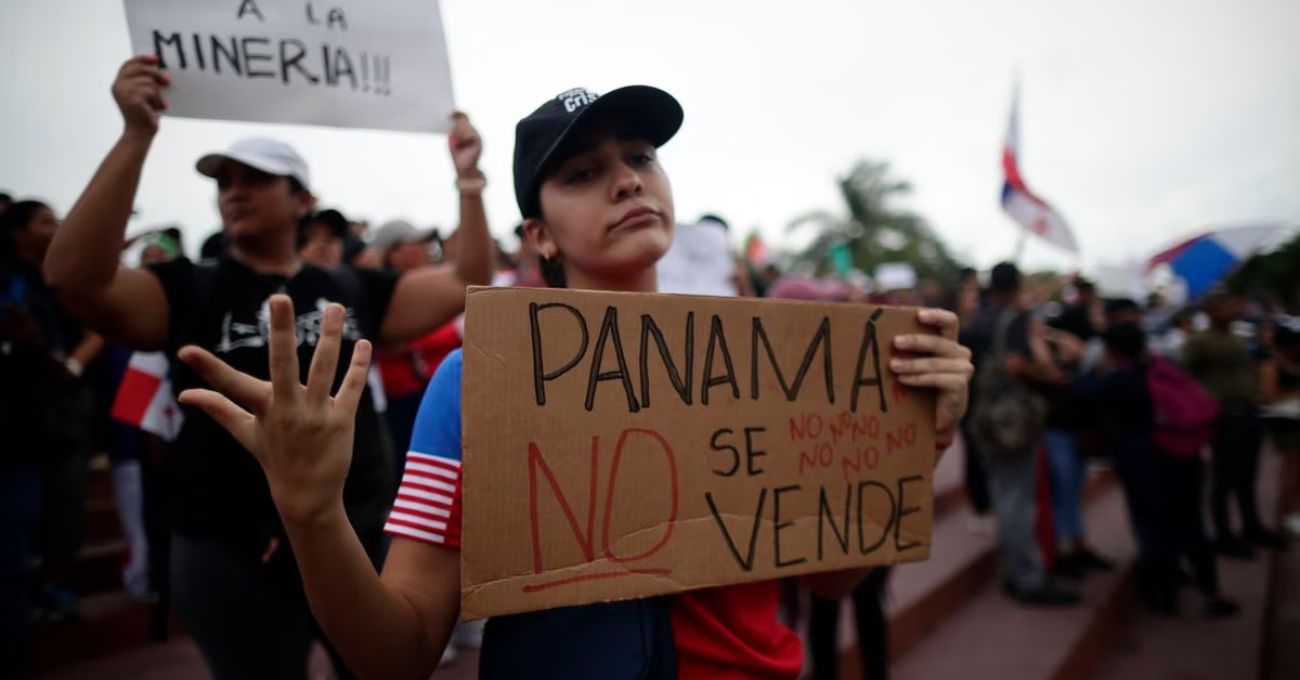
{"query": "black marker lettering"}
{"type": "Point", "coordinates": [903, 511]}
{"type": "Point", "coordinates": [682, 384]}
{"type": "Point", "coordinates": [287, 61]}
{"type": "Point", "coordinates": [821, 339]}
{"type": "Point", "coordinates": [869, 343]}
{"type": "Point", "coordinates": [884, 532]}
{"type": "Point", "coordinates": [717, 338]}
{"type": "Point", "coordinates": [540, 376]}
{"type": "Point", "coordinates": [825, 517]}
{"type": "Point", "coordinates": [750, 452]}
{"type": "Point", "coordinates": [746, 563]}
{"type": "Point", "coordinates": [608, 329]}
{"type": "Point", "coordinates": [776, 517]}
{"type": "Point", "coordinates": [159, 40]}
{"type": "Point", "coordinates": [735, 453]}
{"type": "Point", "coordinates": [250, 57]}
{"type": "Point", "coordinates": [250, 6]}
{"type": "Point", "coordinates": [229, 52]}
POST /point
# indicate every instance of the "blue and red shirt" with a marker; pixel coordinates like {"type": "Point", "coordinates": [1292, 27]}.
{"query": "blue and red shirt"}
{"type": "Point", "coordinates": [728, 633]}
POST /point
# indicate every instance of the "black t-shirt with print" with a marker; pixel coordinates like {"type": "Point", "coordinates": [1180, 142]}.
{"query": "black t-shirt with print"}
{"type": "Point", "coordinates": [221, 490]}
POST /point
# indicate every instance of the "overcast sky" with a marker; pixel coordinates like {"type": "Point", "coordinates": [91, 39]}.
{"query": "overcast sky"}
{"type": "Point", "coordinates": [1141, 121]}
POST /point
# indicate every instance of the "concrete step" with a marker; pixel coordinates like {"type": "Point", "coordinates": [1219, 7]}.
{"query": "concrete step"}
{"type": "Point", "coordinates": [110, 624]}
{"type": "Point", "coordinates": [993, 638]}
{"type": "Point", "coordinates": [101, 522]}
{"type": "Point", "coordinates": [98, 567]}
{"type": "Point", "coordinates": [1191, 647]}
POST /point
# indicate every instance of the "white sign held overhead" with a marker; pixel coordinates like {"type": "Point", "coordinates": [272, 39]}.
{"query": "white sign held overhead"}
{"type": "Point", "coordinates": [378, 64]}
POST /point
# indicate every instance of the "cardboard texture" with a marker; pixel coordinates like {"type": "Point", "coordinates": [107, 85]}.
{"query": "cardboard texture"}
{"type": "Point", "coordinates": [622, 445]}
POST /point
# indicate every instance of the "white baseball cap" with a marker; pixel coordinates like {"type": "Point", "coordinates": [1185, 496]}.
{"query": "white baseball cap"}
{"type": "Point", "coordinates": [397, 232]}
{"type": "Point", "coordinates": [268, 155]}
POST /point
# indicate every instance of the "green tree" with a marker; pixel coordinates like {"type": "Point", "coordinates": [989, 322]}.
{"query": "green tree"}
{"type": "Point", "coordinates": [1275, 275]}
{"type": "Point", "coordinates": [873, 229]}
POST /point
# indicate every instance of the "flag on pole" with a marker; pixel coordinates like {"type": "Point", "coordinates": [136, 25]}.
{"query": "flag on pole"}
{"type": "Point", "coordinates": [1027, 209]}
{"type": "Point", "coordinates": [145, 399]}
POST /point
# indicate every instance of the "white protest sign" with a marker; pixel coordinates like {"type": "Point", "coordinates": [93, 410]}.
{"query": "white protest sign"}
{"type": "Point", "coordinates": [699, 262]}
{"type": "Point", "coordinates": [379, 64]}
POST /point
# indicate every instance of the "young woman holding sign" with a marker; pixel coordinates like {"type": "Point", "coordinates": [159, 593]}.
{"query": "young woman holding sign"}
{"type": "Point", "coordinates": [599, 210]}
{"type": "Point", "coordinates": [233, 580]}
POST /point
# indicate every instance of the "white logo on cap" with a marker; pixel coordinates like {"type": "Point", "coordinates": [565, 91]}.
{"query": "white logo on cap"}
{"type": "Point", "coordinates": [577, 97]}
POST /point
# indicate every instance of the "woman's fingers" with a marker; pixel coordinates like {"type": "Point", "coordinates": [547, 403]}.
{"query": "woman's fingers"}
{"type": "Point", "coordinates": [324, 363]}
{"type": "Point", "coordinates": [942, 319]}
{"type": "Point", "coordinates": [136, 63]}
{"type": "Point", "coordinates": [244, 389]}
{"type": "Point", "coordinates": [954, 382]}
{"type": "Point", "coordinates": [931, 365]}
{"type": "Point", "coordinates": [145, 73]}
{"type": "Point", "coordinates": [238, 422]}
{"type": "Point", "coordinates": [354, 382]}
{"type": "Point", "coordinates": [931, 344]}
{"type": "Point", "coordinates": [285, 383]}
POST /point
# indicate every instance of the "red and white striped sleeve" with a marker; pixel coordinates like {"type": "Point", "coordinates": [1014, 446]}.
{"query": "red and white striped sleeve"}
{"type": "Point", "coordinates": [428, 504]}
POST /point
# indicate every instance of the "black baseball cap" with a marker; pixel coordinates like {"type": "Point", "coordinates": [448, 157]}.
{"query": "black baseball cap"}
{"type": "Point", "coordinates": [541, 136]}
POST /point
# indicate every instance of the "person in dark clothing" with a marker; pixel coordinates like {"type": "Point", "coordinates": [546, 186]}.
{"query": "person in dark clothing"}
{"type": "Point", "coordinates": [1082, 318]}
{"type": "Point", "coordinates": [45, 414]}
{"type": "Point", "coordinates": [873, 630]}
{"type": "Point", "coordinates": [1220, 361]}
{"type": "Point", "coordinates": [1002, 332]}
{"type": "Point", "coordinates": [1163, 490]}
{"type": "Point", "coordinates": [966, 303]}
{"type": "Point", "coordinates": [1068, 413]}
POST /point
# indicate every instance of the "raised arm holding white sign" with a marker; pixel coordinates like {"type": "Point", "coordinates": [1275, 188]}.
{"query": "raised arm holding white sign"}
{"type": "Point", "coordinates": [379, 64]}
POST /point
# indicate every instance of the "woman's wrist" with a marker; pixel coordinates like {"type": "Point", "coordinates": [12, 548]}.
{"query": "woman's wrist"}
{"type": "Point", "coordinates": [471, 184]}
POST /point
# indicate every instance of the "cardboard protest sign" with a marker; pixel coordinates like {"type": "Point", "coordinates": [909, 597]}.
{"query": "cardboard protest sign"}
{"type": "Point", "coordinates": [378, 64]}
{"type": "Point", "coordinates": [622, 445]}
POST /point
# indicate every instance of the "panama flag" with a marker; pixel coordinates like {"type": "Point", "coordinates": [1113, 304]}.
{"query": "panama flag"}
{"type": "Point", "coordinates": [1028, 210]}
{"type": "Point", "coordinates": [145, 399]}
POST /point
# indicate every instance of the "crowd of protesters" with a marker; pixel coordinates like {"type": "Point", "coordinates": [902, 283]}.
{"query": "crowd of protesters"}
{"type": "Point", "coordinates": [1081, 382]}
{"type": "Point", "coordinates": [259, 563]}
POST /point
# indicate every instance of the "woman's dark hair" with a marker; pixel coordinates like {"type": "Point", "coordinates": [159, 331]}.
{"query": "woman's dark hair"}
{"type": "Point", "coordinates": [553, 272]}
{"type": "Point", "coordinates": [14, 218]}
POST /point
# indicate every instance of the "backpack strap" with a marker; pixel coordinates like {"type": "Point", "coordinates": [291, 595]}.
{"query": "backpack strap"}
{"type": "Point", "coordinates": [1007, 317]}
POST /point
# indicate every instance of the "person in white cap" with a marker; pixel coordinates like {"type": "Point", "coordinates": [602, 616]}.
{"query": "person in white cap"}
{"type": "Point", "coordinates": [234, 582]}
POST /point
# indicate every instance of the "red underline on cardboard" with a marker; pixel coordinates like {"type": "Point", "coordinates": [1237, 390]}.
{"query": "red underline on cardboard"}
{"type": "Point", "coordinates": [536, 587]}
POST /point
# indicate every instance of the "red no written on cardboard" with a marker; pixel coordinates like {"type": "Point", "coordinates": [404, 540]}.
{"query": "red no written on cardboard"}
{"type": "Point", "coordinates": [620, 445]}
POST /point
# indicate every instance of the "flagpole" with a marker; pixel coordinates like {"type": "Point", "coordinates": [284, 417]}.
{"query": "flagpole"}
{"type": "Point", "coordinates": [1020, 247]}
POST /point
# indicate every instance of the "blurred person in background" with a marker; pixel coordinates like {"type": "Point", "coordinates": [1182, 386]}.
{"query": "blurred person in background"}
{"type": "Point", "coordinates": [1220, 361]}
{"type": "Point", "coordinates": [1181, 326]}
{"type": "Point", "coordinates": [160, 247]}
{"type": "Point", "coordinates": [1010, 368]}
{"type": "Point", "coordinates": [323, 239]}
{"type": "Point", "coordinates": [1280, 384]}
{"type": "Point", "coordinates": [1069, 412]}
{"type": "Point", "coordinates": [967, 303]}
{"type": "Point", "coordinates": [1082, 318]}
{"type": "Point", "coordinates": [407, 367]}
{"type": "Point", "coordinates": [58, 407]}
{"type": "Point", "coordinates": [1163, 487]}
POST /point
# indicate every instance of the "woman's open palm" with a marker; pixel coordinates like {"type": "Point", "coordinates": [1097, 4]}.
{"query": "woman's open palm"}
{"type": "Point", "coordinates": [300, 434]}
